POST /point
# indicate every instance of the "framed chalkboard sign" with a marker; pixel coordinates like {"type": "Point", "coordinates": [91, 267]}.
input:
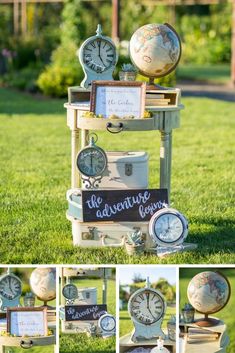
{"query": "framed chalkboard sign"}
{"type": "Point", "coordinates": [84, 312]}
{"type": "Point", "coordinates": [118, 98]}
{"type": "Point", "coordinates": [27, 321]}
{"type": "Point", "coordinates": [131, 205]}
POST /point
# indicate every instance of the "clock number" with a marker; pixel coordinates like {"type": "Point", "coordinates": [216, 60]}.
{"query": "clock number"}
{"type": "Point", "coordinates": [93, 45]}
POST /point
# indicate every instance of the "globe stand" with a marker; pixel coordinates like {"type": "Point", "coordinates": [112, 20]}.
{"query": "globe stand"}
{"type": "Point", "coordinates": [151, 86]}
{"type": "Point", "coordinates": [207, 321]}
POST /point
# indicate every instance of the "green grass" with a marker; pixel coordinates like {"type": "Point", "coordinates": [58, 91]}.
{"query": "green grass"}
{"type": "Point", "coordinates": [80, 343]}
{"type": "Point", "coordinates": [126, 325]}
{"type": "Point", "coordinates": [35, 174]}
{"type": "Point", "coordinates": [219, 73]}
{"type": "Point", "coordinates": [225, 314]}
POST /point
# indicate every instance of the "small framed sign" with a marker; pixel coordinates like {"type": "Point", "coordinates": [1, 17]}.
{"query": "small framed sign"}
{"type": "Point", "coordinates": [27, 321]}
{"type": "Point", "coordinates": [118, 98]}
{"type": "Point", "coordinates": [84, 312]}
{"type": "Point", "coordinates": [133, 205]}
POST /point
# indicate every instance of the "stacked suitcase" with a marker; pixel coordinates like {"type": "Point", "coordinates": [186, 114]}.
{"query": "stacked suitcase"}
{"type": "Point", "coordinates": [125, 170]}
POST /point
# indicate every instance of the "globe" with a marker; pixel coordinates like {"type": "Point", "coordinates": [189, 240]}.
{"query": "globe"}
{"type": "Point", "coordinates": [208, 292]}
{"type": "Point", "coordinates": [155, 49]}
{"type": "Point", "coordinates": [43, 283]}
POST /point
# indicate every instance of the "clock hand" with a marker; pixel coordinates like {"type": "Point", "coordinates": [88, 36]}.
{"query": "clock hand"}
{"type": "Point", "coordinates": [99, 44]}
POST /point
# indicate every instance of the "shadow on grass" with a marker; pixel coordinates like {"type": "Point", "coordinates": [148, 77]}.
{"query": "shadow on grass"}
{"type": "Point", "coordinates": [221, 239]}
{"type": "Point", "coordinates": [16, 102]}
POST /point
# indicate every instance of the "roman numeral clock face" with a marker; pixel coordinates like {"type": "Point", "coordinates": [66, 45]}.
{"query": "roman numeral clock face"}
{"type": "Point", "coordinates": [99, 55]}
{"type": "Point", "coordinates": [10, 287]}
{"type": "Point", "coordinates": [147, 307]}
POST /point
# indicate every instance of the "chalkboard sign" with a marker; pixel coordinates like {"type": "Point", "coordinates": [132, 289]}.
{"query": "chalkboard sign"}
{"type": "Point", "coordinates": [119, 98]}
{"type": "Point", "coordinates": [122, 205]}
{"type": "Point", "coordinates": [27, 321]}
{"type": "Point", "coordinates": [84, 312]}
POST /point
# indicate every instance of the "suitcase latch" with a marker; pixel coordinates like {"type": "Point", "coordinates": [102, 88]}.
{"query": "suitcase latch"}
{"type": "Point", "coordinates": [128, 169]}
{"type": "Point", "coordinates": [90, 235]}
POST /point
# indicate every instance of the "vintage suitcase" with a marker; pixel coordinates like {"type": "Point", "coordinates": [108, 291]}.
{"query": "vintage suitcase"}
{"type": "Point", "coordinates": [126, 170]}
{"type": "Point", "coordinates": [110, 234]}
{"type": "Point", "coordinates": [86, 296]}
{"type": "Point", "coordinates": [77, 326]}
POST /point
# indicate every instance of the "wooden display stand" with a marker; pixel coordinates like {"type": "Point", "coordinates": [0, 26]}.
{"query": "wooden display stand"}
{"type": "Point", "coordinates": [218, 345]}
{"type": "Point", "coordinates": [126, 344]}
{"type": "Point", "coordinates": [164, 119]}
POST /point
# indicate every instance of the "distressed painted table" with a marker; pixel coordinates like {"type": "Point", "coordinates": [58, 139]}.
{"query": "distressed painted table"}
{"type": "Point", "coordinates": [26, 342]}
{"type": "Point", "coordinates": [165, 119]}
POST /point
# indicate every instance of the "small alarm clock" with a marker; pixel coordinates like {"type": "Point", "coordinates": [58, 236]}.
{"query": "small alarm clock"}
{"type": "Point", "coordinates": [98, 58]}
{"type": "Point", "coordinates": [10, 290]}
{"type": "Point", "coordinates": [70, 292]}
{"type": "Point", "coordinates": [168, 227]}
{"type": "Point", "coordinates": [147, 308]}
{"type": "Point", "coordinates": [107, 325]}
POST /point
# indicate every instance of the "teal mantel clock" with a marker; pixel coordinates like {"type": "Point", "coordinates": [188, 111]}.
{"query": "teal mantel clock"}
{"type": "Point", "coordinates": [10, 290]}
{"type": "Point", "coordinates": [147, 308]}
{"type": "Point", "coordinates": [98, 58]}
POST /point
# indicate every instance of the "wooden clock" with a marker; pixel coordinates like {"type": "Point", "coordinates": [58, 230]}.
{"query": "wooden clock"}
{"type": "Point", "coordinates": [98, 58]}
{"type": "Point", "coordinates": [147, 308]}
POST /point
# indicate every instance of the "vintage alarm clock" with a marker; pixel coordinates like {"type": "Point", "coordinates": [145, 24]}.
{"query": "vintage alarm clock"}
{"type": "Point", "coordinates": [98, 58]}
{"type": "Point", "coordinates": [70, 292]}
{"type": "Point", "coordinates": [10, 290]}
{"type": "Point", "coordinates": [168, 227]}
{"type": "Point", "coordinates": [91, 163]}
{"type": "Point", "coordinates": [107, 325]}
{"type": "Point", "coordinates": [147, 308]}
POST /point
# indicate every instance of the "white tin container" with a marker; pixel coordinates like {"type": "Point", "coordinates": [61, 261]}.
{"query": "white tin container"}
{"type": "Point", "coordinates": [87, 296]}
{"type": "Point", "coordinates": [126, 170]}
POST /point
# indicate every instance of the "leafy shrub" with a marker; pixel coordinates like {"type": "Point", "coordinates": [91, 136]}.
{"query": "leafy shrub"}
{"type": "Point", "coordinates": [63, 72]}
{"type": "Point", "coordinates": [55, 80]}
{"type": "Point", "coordinates": [24, 79]}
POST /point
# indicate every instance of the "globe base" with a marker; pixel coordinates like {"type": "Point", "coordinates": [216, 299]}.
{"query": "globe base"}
{"type": "Point", "coordinates": [151, 86]}
{"type": "Point", "coordinates": [207, 322]}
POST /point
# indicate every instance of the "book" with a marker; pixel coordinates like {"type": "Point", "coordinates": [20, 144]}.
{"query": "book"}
{"type": "Point", "coordinates": [154, 96]}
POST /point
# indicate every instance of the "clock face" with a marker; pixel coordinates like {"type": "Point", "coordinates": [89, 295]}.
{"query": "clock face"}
{"type": "Point", "coordinates": [168, 227]}
{"type": "Point", "coordinates": [108, 323]}
{"type": "Point", "coordinates": [147, 306]}
{"type": "Point", "coordinates": [10, 287]}
{"type": "Point", "coordinates": [91, 161]}
{"type": "Point", "coordinates": [70, 291]}
{"type": "Point", "coordinates": [99, 55]}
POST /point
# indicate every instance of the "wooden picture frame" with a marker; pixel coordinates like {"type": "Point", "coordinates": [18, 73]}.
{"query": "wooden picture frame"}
{"type": "Point", "coordinates": [119, 98]}
{"type": "Point", "coordinates": [27, 321]}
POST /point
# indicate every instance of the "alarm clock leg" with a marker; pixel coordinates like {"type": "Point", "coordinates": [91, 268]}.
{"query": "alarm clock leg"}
{"type": "Point", "coordinates": [165, 161]}
{"type": "Point", "coordinates": [74, 151]}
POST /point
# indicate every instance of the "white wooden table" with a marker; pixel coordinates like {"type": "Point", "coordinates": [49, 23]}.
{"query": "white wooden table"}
{"type": "Point", "coordinates": [164, 119]}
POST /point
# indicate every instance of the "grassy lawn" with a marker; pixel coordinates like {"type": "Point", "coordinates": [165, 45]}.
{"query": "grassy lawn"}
{"type": "Point", "coordinates": [126, 326]}
{"type": "Point", "coordinates": [224, 314]}
{"type": "Point", "coordinates": [211, 73]}
{"type": "Point", "coordinates": [35, 174]}
{"type": "Point", "coordinates": [80, 343]}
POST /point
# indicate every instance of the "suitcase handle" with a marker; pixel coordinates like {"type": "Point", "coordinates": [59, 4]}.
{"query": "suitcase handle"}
{"type": "Point", "coordinates": [26, 344]}
{"type": "Point", "coordinates": [116, 128]}
{"type": "Point", "coordinates": [103, 236]}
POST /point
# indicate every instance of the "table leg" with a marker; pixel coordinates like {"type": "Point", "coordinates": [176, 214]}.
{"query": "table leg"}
{"type": "Point", "coordinates": [75, 180]}
{"type": "Point", "coordinates": [2, 349]}
{"type": "Point", "coordinates": [165, 161]}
